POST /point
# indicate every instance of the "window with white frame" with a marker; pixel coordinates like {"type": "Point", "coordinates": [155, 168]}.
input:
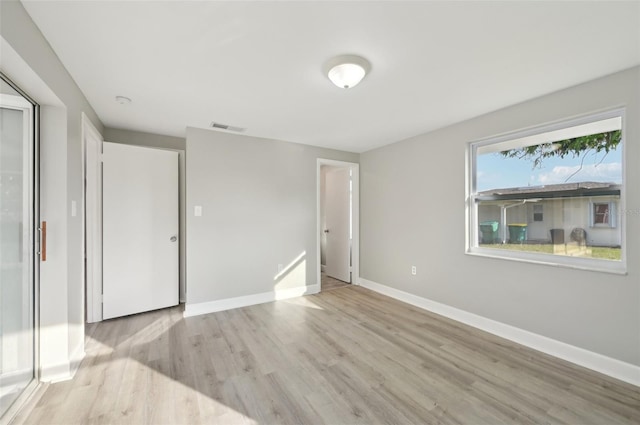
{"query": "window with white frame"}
{"type": "Point", "coordinates": [550, 194]}
{"type": "Point", "coordinates": [603, 214]}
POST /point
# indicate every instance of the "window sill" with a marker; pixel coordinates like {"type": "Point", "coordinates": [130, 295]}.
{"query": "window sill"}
{"type": "Point", "coordinates": [593, 265]}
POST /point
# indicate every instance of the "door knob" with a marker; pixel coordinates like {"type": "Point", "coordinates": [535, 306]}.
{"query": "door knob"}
{"type": "Point", "coordinates": [173, 238]}
{"type": "Point", "coordinates": [326, 230]}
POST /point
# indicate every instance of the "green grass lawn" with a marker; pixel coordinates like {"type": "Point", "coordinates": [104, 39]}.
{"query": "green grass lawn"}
{"type": "Point", "coordinates": [606, 253]}
{"type": "Point", "coordinates": [596, 252]}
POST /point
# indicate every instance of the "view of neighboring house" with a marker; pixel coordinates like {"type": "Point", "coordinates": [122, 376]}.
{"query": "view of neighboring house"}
{"type": "Point", "coordinates": [585, 208]}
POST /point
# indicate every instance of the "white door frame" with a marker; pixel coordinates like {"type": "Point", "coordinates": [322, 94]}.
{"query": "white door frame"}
{"type": "Point", "coordinates": [93, 300]}
{"type": "Point", "coordinates": [92, 218]}
{"type": "Point", "coordinates": [182, 218]}
{"type": "Point", "coordinates": [355, 216]}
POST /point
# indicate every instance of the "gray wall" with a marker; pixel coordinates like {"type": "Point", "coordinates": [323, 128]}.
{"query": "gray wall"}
{"type": "Point", "coordinates": [62, 291]}
{"type": "Point", "coordinates": [413, 213]}
{"type": "Point", "coordinates": [130, 137]}
{"type": "Point", "coordinates": [259, 210]}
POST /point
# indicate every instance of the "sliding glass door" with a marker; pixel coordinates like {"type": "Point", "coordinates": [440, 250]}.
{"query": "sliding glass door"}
{"type": "Point", "coordinates": [17, 244]}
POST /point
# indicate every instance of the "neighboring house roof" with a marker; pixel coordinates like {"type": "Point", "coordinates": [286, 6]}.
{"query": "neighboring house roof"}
{"type": "Point", "coordinates": [564, 190]}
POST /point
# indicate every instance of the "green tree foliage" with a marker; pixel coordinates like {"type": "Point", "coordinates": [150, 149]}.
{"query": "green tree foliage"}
{"type": "Point", "coordinates": [578, 146]}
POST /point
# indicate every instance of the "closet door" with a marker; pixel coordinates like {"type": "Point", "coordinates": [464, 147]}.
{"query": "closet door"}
{"type": "Point", "coordinates": [17, 246]}
{"type": "Point", "coordinates": [140, 229]}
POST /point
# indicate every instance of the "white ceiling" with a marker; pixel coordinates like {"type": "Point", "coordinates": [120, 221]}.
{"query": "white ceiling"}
{"type": "Point", "coordinates": [259, 64]}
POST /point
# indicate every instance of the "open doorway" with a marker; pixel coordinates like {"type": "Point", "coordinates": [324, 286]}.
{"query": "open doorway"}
{"type": "Point", "coordinates": [337, 223]}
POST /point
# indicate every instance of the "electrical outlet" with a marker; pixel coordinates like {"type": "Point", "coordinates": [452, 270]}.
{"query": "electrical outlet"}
{"type": "Point", "coordinates": [414, 270]}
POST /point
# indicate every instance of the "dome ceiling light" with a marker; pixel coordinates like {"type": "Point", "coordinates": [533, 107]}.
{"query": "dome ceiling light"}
{"type": "Point", "coordinates": [346, 71]}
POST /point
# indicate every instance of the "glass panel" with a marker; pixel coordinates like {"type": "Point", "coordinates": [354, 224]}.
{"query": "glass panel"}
{"type": "Point", "coordinates": [601, 214]}
{"type": "Point", "coordinates": [555, 193]}
{"type": "Point", "coordinates": [16, 247]}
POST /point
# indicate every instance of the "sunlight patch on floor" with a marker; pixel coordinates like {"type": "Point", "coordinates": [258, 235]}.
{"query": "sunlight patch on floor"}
{"type": "Point", "coordinates": [302, 302]}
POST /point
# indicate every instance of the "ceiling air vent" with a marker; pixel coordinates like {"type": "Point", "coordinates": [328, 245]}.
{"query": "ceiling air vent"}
{"type": "Point", "coordinates": [227, 127]}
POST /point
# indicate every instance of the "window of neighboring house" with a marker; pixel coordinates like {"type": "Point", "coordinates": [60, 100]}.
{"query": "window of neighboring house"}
{"type": "Point", "coordinates": [538, 213]}
{"type": "Point", "coordinates": [567, 178]}
{"type": "Point", "coordinates": [602, 214]}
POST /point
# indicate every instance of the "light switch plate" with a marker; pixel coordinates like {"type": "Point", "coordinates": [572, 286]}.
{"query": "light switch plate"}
{"type": "Point", "coordinates": [197, 211]}
{"type": "Point", "coordinates": [74, 208]}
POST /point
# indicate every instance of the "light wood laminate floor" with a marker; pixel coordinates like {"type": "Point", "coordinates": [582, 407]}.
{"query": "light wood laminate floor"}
{"type": "Point", "coordinates": [344, 356]}
{"type": "Point", "coordinates": [329, 283]}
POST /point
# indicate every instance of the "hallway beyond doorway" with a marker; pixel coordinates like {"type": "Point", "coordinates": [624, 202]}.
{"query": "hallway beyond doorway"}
{"type": "Point", "coordinates": [329, 283]}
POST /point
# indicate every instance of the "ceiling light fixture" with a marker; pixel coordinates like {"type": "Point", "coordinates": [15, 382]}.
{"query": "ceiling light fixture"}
{"type": "Point", "coordinates": [123, 100]}
{"type": "Point", "coordinates": [346, 71]}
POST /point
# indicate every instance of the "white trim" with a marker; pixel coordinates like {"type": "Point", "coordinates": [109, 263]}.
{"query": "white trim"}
{"type": "Point", "coordinates": [11, 101]}
{"type": "Point", "coordinates": [355, 217]}
{"type": "Point", "coordinates": [75, 360]}
{"type": "Point", "coordinates": [552, 260]}
{"type": "Point", "coordinates": [66, 370]}
{"type": "Point", "coordinates": [92, 218]}
{"type": "Point", "coordinates": [248, 300]}
{"type": "Point", "coordinates": [552, 127]}
{"type": "Point", "coordinates": [56, 372]}
{"type": "Point", "coordinates": [16, 375]}
{"type": "Point", "coordinates": [20, 403]}
{"type": "Point", "coordinates": [609, 366]}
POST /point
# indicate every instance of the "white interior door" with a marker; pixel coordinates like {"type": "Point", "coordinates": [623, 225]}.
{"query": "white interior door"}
{"type": "Point", "coordinates": [337, 224]}
{"type": "Point", "coordinates": [140, 229]}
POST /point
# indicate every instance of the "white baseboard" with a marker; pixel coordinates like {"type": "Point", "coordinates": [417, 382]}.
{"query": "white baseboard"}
{"type": "Point", "coordinates": [609, 366]}
{"type": "Point", "coordinates": [245, 301]}
{"type": "Point", "coordinates": [75, 359]}
{"type": "Point", "coordinates": [64, 371]}
{"type": "Point", "coordinates": [55, 373]}
{"type": "Point", "coordinates": [15, 377]}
